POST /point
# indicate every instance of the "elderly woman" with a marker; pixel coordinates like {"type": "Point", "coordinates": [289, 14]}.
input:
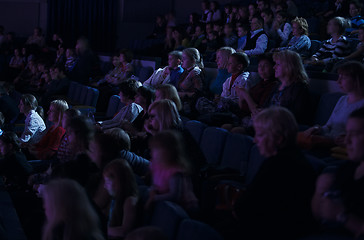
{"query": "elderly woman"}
{"type": "Point", "coordinates": [277, 202]}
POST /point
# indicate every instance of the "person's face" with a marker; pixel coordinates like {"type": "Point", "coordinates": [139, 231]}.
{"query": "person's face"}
{"type": "Point", "coordinates": [296, 30]}
{"type": "Point", "coordinates": [24, 51]}
{"type": "Point", "coordinates": [361, 35]}
{"type": "Point", "coordinates": [187, 62]}
{"type": "Point", "coordinates": [264, 141]}
{"type": "Point", "coordinates": [198, 31]}
{"type": "Point", "coordinates": [217, 28]}
{"type": "Point", "coordinates": [153, 120]}
{"type": "Point", "coordinates": [208, 28]}
{"type": "Point", "coordinates": [69, 53]}
{"type": "Point", "coordinates": [122, 58]}
{"type": "Point", "coordinates": [346, 83]}
{"type": "Point", "coordinates": [228, 30]}
{"type": "Point", "coordinates": [159, 156]}
{"type": "Point", "coordinates": [260, 5]}
{"type": "Point", "coordinates": [115, 61]}
{"type": "Point", "coordinates": [221, 60]}
{"type": "Point", "coordinates": [109, 186]}
{"type": "Point", "coordinates": [265, 69]}
{"type": "Point", "coordinates": [332, 27]}
{"type": "Point", "coordinates": [251, 10]}
{"type": "Point", "coordinates": [211, 36]}
{"type": "Point", "coordinates": [255, 25]}
{"type": "Point", "coordinates": [279, 70]}
{"type": "Point", "coordinates": [139, 99]}
{"type": "Point", "coordinates": [279, 19]}
{"type": "Point", "coordinates": [267, 18]}
{"type": "Point", "coordinates": [354, 139]}
{"type": "Point", "coordinates": [233, 66]}
{"type": "Point", "coordinates": [5, 148]}
{"type": "Point", "coordinates": [54, 73]}
{"type": "Point", "coordinates": [16, 52]}
{"type": "Point", "coordinates": [123, 98]}
{"type": "Point", "coordinates": [353, 10]}
{"type": "Point", "coordinates": [36, 31]}
{"type": "Point", "coordinates": [94, 152]}
{"type": "Point", "coordinates": [159, 95]}
{"type": "Point", "coordinates": [242, 12]}
{"type": "Point", "coordinates": [241, 32]}
{"type": "Point", "coordinates": [53, 114]}
{"type": "Point", "coordinates": [173, 61]}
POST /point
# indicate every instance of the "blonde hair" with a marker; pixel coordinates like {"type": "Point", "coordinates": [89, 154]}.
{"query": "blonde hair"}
{"type": "Point", "coordinates": [342, 23]}
{"type": "Point", "coordinates": [226, 53]}
{"type": "Point", "coordinates": [278, 122]}
{"type": "Point", "coordinates": [170, 92]}
{"type": "Point", "coordinates": [300, 21]}
{"type": "Point", "coordinates": [293, 65]}
{"type": "Point", "coordinates": [195, 55]}
{"type": "Point", "coordinates": [60, 106]}
{"type": "Point", "coordinates": [167, 114]}
{"type": "Point", "coordinates": [69, 205]}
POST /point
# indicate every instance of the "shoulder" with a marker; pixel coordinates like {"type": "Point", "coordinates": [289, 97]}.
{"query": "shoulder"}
{"type": "Point", "coordinates": [196, 71]}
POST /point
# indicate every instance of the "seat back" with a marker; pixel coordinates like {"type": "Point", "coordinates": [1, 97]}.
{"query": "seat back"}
{"type": "Point", "coordinates": [212, 144]}
{"type": "Point", "coordinates": [113, 106]}
{"type": "Point", "coordinates": [325, 107]}
{"type": "Point", "coordinates": [255, 161]}
{"type": "Point", "coordinates": [196, 129]}
{"type": "Point", "coordinates": [195, 230]}
{"type": "Point", "coordinates": [92, 97]}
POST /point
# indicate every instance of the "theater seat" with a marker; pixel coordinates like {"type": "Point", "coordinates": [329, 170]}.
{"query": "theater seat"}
{"type": "Point", "coordinates": [194, 230]}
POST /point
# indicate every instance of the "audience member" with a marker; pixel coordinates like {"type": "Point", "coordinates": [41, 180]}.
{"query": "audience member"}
{"type": "Point", "coordinates": [168, 91]}
{"type": "Point", "coordinates": [257, 41]}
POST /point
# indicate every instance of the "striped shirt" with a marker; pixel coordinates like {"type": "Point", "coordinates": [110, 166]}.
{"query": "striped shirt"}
{"type": "Point", "coordinates": [330, 50]}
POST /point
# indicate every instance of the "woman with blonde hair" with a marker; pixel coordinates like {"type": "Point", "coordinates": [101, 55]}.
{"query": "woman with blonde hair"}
{"type": "Point", "coordinates": [168, 91]}
{"type": "Point", "coordinates": [300, 42]}
{"type": "Point", "coordinates": [163, 115]}
{"type": "Point", "coordinates": [69, 212]}
{"type": "Point", "coordinates": [49, 143]}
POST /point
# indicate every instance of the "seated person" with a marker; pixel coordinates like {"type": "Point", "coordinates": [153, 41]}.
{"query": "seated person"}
{"type": "Point", "coordinates": [359, 52]}
{"type": "Point", "coordinates": [356, 20]}
{"type": "Point", "coordinates": [130, 111]}
{"type": "Point", "coordinates": [334, 48]}
{"type": "Point", "coordinates": [230, 39]}
{"type": "Point", "coordinates": [8, 106]}
{"type": "Point", "coordinates": [257, 40]}
{"type": "Point", "coordinates": [282, 27]}
{"type": "Point", "coordinates": [242, 31]}
{"type": "Point", "coordinates": [337, 202]}
{"type": "Point", "coordinates": [351, 81]}
{"type": "Point", "coordinates": [168, 91]}
{"type": "Point", "coordinates": [34, 124]}
{"type": "Point", "coordinates": [300, 42]}
{"type": "Point", "coordinates": [169, 74]}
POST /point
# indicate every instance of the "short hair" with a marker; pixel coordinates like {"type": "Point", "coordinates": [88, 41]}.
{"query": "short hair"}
{"type": "Point", "coordinates": [283, 14]}
{"type": "Point", "coordinates": [128, 54]}
{"type": "Point", "coordinates": [355, 70]}
{"type": "Point", "coordinates": [176, 54]}
{"type": "Point", "coordinates": [241, 58]}
{"type": "Point", "coordinates": [60, 67]}
{"type": "Point", "coordinates": [30, 101]}
{"type": "Point", "coordinates": [83, 128]}
{"type": "Point", "coordinates": [342, 23]}
{"type": "Point", "coordinates": [167, 114]}
{"type": "Point", "coordinates": [279, 122]}
{"type": "Point", "coordinates": [147, 93]}
{"type": "Point", "coordinates": [302, 22]}
{"type": "Point", "coordinates": [259, 19]}
{"type": "Point", "coordinates": [120, 138]}
{"type": "Point", "coordinates": [170, 92]}
{"type": "Point", "coordinates": [129, 88]}
{"type": "Point", "coordinates": [268, 11]}
{"type": "Point", "coordinates": [266, 57]}
{"type": "Point", "coordinates": [60, 105]}
{"type": "Point", "coordinates": [226, 50]}
{"type": "Point", "coordinates": [294, 66]}
{"type": "Point", "coordinates": [195, 55]}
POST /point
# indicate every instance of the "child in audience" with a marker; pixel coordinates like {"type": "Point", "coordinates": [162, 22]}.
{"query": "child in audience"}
{"type": "Point", "coordinates": [70, 60]}
{"type": "Point", "coordinates": [355, 8]}
{"type": "Point", "coordinates": [230, 39]}
{"type": "Point", "coordinates": [130, 111]}
{"type": "Point", "coordinates": [126, 57]}
{"type": "Point", "coordinates": [198, 39]}
{"type": "Point", "coordinates": [282, 27]}
{"type": "Point", "coordinates": [168, 91]}
{"type": "Point", "coordinates": [170, 171]}
{"type": "Point", "coordinates": [242, 34]}
{"type": "Point", "coordinates": [351, 81]}
{"type": "Point", "coordinates": [212, 44]}
{"type": "Point", "coordinates": [169, 74]}
{"type": "Point", "coordinates": [121, 185]}
{"type": "Point", "coordinates": [34, 124]}
{"type": "Point", "coordinates": [337, 46]}
{"type": "Point", "coordinates": [222, 58]}
{"type": "Point", "coordinates": [69, 212]}
{"type": "Point", "coordinates": [359, 52]}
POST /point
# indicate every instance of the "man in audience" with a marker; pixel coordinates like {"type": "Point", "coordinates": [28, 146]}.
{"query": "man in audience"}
{"type": "Point", "coordinates": [257, 42]}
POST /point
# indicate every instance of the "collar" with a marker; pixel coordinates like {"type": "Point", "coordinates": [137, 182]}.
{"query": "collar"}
{"type": "Point", "coordinates": [256, 31]}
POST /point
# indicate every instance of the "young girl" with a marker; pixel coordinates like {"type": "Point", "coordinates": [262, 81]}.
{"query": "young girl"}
{"type": "Point", "coordinates": [170, 171]}
{"type": "Point", "coordinates": [49, 143]}
{"type": "Point", "coordinates": [121, 185]}
{"type": "Point", "coordinates": [167, 91]}
{"type": "Point", "coordinates": [69, 212]}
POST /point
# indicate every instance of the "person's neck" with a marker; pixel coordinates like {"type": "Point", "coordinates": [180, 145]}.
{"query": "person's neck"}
{"type": "Point", "coordinates": [335, 37]}
{"type": "Point", "coordinates": [129, 101]}
{"type": "Point", "coordinates": [285, 82]}
{"type": "Point", "coordinates": [354, 97]}
{"type": "Point", "coordinates": [236, 73]}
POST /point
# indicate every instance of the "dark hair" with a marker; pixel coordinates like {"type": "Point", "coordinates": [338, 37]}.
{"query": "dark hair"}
{"type": "Point", "coordinates": [259, 18]}
{"type": "Point", "coordinates": [109, 146]}
{"type": "Point", "coordinates": [176, 54]}
{"type": "Point", "coordinates": [11, 138]}
{"type": "Point", "coordinates": [357, 4]}
{"type": "Point", "coordinates": [30, 101]}
{"type": "Point", "coordinates": [147, 93]}
{"type": "Point", "coordinates": [129, 88]}
{"type": "Point", "coordinates": [83, 128]}
{"type": "Point", "coordinates": [128, 54]}
{"type": "Point", "coordinates": [60, 67]}
{"type": "Point", "coordinates": [283, 14]}
{"type": "Point", "coordinates": [246, 27]}
{"type": "Point", "coordinates": [356, 71]}
{"type": "Point", "coordinates": [241, 58]}
{"type": "Point", "coordinates": [268, 11]}
{"type": "Point", "coordinates": [266, 57]}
